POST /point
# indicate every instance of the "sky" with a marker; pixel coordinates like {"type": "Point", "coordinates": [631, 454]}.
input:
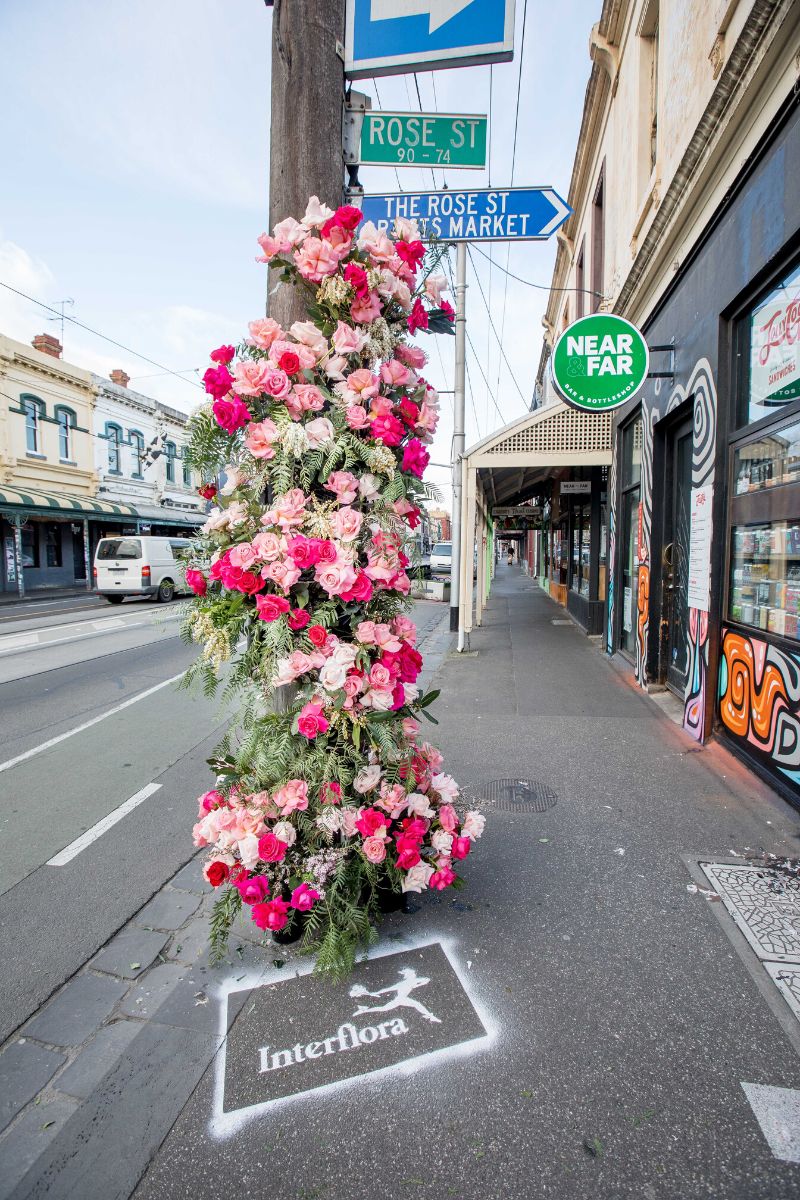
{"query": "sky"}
{"type": "Point", "coordinates": [135, 182]}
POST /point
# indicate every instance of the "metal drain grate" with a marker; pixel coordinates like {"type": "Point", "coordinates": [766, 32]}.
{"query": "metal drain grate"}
{"type": "Point", "coordinates": [518, 795]}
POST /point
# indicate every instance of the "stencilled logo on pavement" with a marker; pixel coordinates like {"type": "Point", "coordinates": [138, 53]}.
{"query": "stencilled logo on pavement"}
{"type": "Point", "coordinates": [301, 1034]}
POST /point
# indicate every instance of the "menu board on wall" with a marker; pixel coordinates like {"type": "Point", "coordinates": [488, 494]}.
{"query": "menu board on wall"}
{"type": "Point", "coordinates": [698, 588]}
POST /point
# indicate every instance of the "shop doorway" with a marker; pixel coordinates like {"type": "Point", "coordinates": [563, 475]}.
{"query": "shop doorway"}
{"type": "Point", "coordinates": [675, 555]}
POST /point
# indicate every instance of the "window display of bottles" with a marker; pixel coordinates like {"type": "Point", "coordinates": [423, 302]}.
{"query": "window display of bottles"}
{"type": "Point", "coordinates": [765, 576]}
{"type": "Point", "coordinates": [771, 461]}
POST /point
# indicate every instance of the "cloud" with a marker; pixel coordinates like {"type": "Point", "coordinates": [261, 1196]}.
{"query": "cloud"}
{"type": "Point", "coordinates": [19, 318]}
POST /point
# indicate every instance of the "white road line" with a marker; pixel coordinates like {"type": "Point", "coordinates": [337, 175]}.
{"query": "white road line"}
{"type": "Point", "coordinates": [74, 848]}
{"type": "Point", "coordinates": [777, 1110]}
{"type": "Point", "coordinates": [62, 737]}
{"type": "Point", "coordinates": [15, 640]}
{"type": "Point", "coordinates": [76, 637]}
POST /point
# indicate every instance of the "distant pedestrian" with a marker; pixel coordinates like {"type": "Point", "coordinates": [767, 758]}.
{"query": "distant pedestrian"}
{"type": "Point", "coordinates": [511, 556]}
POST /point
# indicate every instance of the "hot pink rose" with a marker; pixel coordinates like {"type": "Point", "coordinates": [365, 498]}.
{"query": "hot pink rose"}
{"type": "Point", "coordinates": [304, 898]}
{"type": "Point", "coordinates": [298, 619]}
{"type": "Point", "coordinates": [442, 878]}
{"type": "Point", "coordinates": [415, 458]}
{"type": "Point", "coordinates": [223, 354]}
{"type": "Point", "coordinates": [230, 415]}
{"type": "Point", "coordinates": [272, 915]}
{"type": "Point", "coordinates": [311, 722]}
{"type": "Point", "coordinates": [217, 381]}
{"type": "Point", "coordinates": [418, 318]}
{"type": "Point", "coordinates": [390, 431]}
{"type": "Point", "coordinates": [371, 822]}
{"type": "Point", "coordinates": [374, 849]}
{"type": "Point", "coordinates": [460, 847]}
{"type": "Point", "coordinates": [196, 581]}
{"type": "Point", "coordinates": [271, 849]}
{"type": "Point", "coordinates": [253, 889]}
{"type": "Point", "coordinates": [270, 607]}
{"type": "Point", "coordinates": [361, 591]}
{"type": "Point", "coordinates": [330, 793]}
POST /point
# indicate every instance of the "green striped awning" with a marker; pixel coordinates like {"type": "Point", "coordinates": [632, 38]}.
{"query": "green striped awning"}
{"type": "Point", "coordinates": [33, 502]}
{"type": "Point", "coordinates": [70, 505]}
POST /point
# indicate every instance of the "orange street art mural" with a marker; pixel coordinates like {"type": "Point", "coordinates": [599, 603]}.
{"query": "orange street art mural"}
{"type": "Point", "coordinates": [760, 700]}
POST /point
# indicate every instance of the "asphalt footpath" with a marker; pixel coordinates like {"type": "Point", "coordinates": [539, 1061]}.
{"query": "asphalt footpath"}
{"type": "Point", "coordinates": [584, 1019]}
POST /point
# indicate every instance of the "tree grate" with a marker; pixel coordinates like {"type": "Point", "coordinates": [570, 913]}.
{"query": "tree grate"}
{"type": "Point", "coordinates": [517, 795]}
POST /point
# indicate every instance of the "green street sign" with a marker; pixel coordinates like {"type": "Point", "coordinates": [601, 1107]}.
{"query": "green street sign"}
{"type": "Point", "coordinates": [599, 362]}
{"type": "Point", "coordinates": [397, 139]}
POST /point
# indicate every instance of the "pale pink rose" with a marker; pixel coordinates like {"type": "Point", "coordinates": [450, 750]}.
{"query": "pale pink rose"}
{"type": "Point", "coordinates": [216, 519]}
{"type": "Point", "coordinates": [335, 367]}
{"type": "Point", "coordinates": [248, 851]}
{"type": "Point", "coordinates": [271, 247]}
{"type": "Point", "coordinates": [363, 383]}
{"type": "Point", "coordinates": [473, 826]}
{"type": "Point", "coordinates": [374, 849]}
{"type": "Point", "coordinates": [292, 668]}
{"type": "Point", "coordinates": [368, 310]}
{"type": "Point", "coordinates": [308, 335]}
{"type": "Point", "coordinates": [412, 356]}
{"type": "Point", "coordinates": [288, 511]}
{"type": "Point", "coordinates": [264, 332]}
{"type": "Point", "coordinates": [243, 555]}
{"type": "Point", "coordinates": [352, 685]}
{"type": "Point", "coordinates": [349, 816]}
{"type": "Point", "coordinates": [346, 653]}
{"type": "Point", "coordinates": [418, 878]}
{"type": "Point", "coordinates": [347, 523]}
{"type": "Point", "coordinates": [283, 573]}
{"type": "Point", "coordinates": [446, 786]}
{"type": "Point", "coordinates": [380, 677]}
{"type": "Point", "coordinates": [420, 806]}
{"type": "Point", "coordinates": [365, 633]}
{"type": "Point", "coordinates": [392, 288]}
{"type": "Point", "coordinates": [441, 841]}
{"type": "Point", "coordinates": [309, 397]}
{"type": "Point", "coordinates": [369, 487]}
{"type": "Point", "coordinates": [333, 675]}
{"type": "Point", "coordinates": [285, 831]}
{"type": "Point", "coordinates": [234, 478]}
{"type": "Point", "coordinates": [347, 340]}
{"type": "Point", "coordinates": [269, 546]}
{"type": "Point", "coordinates": [406, 230]}
{"type": "Point", "coordinates": [411, 727]}
{"type": "Point", "coordinates": [367, 779]}
{"type": "Point", "coordinates": [410, 692]}
{"type": "Point", "coordinates": [386, 639]}
{"type": "Point", "coordinates": [281, 346]}
{"type": "Point", "coordinates": [434, 286]}
{"type": "Point", "coordinates": [250, 378]}
{"type": "Point", "coordinates": [260, 438]}
{"type": "Point", "coordinates": [394, 373]}
{"type": "Point", "coordinates": [316, 213]}
{"type": "Point", "coordinates": [378, 699]}
{"type": "Point", "coordinates": [292, 797]}
{"type": "Point", "coordinates": [344, 486]}
{"type": "Point", "coordinates": [316, 259]}
{"type": "Point", "coordinates": [289, 230]}
{"type": "Point", "coordinates": [319, 432]}
{"type": "Point", "coordinates": [375, 243]}
{"type": "Point", "coordinates": [357, 417]}
{"type": "Point", "coordinates": [427, 421]}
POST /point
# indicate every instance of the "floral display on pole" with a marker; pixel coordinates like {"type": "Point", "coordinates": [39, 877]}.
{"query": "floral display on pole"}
{"type": "Point", "coordinates": [328, 802]}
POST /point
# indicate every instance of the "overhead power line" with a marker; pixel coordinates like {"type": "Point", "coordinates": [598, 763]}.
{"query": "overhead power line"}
{"type": "Point", "coordinates": [542, 287]}
{"type": "Point", "coordinates": [494, 331]}
{"type": "Point", "coordinates": [103, 336]}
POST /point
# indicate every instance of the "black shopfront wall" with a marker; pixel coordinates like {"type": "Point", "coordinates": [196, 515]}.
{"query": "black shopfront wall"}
{"type": "Point", "coordinates": [751, 238]}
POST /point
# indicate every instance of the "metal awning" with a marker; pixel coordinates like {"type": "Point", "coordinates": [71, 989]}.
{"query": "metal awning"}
{"type": "Point", "coordinates": [36, 503]}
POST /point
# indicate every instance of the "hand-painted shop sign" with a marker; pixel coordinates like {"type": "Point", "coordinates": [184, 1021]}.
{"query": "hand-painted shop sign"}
{"type": "Point", "coordinates": [599, 362]}
{"type": "Point", "coordinates": [298, 1035]}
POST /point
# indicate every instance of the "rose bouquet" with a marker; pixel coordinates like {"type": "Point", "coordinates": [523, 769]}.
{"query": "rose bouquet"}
{"type": "Point", "coordinates": [326, 798]}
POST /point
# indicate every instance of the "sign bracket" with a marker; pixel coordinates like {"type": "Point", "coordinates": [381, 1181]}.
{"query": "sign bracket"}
{"type": "Point", "coordinates": [669, 350]}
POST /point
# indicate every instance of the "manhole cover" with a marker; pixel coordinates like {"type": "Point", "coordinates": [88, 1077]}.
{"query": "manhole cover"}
{"type": "Point", "coordinates": [519, 795]}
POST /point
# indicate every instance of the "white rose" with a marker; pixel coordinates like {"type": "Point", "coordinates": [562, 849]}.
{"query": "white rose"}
{"type": "Point", "coordinates": [417, 878]}
{"type": "Point", "coordinates": [419, 805]}
{"type": "Point", "coordinates": [473, 826]}
{"type": "Point", "coordinates": [286, 832]}
{"type": "Point", "coordinates": [319, 432]}
{"type": "Point", "coordinates": [446, 786]}
{"type": "Point", "coordinates": [248, 851]}
{"type": "Point", "coordinates": [367, 779]}
{"type": "Point", "coordinates": [333, 675]}
{"type": "Point", "coordinates": [442, 842]}
{"type": "Point", "coordinates": [368, 487]}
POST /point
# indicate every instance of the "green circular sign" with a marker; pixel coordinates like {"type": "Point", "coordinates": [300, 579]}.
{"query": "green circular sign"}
{"type": "Point", "coordinates": [599, 362]}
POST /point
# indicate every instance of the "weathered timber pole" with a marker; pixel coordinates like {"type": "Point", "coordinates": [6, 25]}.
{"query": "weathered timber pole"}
{"type": "Point", "coordinates": [306, 157]}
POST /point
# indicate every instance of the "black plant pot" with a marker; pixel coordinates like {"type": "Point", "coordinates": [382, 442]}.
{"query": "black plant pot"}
{"type": "Point", "coordinates": [291, 932]}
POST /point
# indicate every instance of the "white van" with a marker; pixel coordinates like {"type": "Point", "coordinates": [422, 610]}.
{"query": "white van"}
{"type": "Point", "coordinates": [140, 566]}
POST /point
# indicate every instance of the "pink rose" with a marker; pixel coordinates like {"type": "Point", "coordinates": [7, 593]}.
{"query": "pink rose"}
{"type": "Point", "coordinates": [272, 915]}
{"type": "Point", "coordinates": [260, 438]}
{"type": "Point", "coordinates": [285, 574]}
{"type": "Point", "coordinates": [347, 523]}
{"type": "Point", "coordinates": [309, 397]}
{"type": "Point", "coordinates": [292, 796]}
{"type": "Point", "coordinates": [344, 485]}
{"type": "Point", "coordinates": [270, 607]}
{"type": "Point", "coordinates": [311, 722]}
{"type": "Point", "coordinates": [252, 888]}
{"type": "Point", "coordinates": [271, 849]}
{"type": "Point", "coordinates": [366, 311]}
{"type": "Point", "coordinates": [242, 555]}
{"type": "Point", "coordinates": [277, 383]}
{"type": "Point", "coordinates": [347, 340]}
{"type": "Point", "coordinates": [412, 356]}
{"type": "Point", "coordinates": [448, 818]}
{"type": "Point", "coordinates": [304, 898]}
{"type": "Point", "coordinates": [316, 259]}
{"type": "Point", "coordinates": [374, 849]}
{"type": "Point", "coordinates": [249, 378]}
{"type": "Point", "coordinates": [363, 383]}
{"type": "Point", "coordinates": [335, 577]}
{"type": "Point", "coordinates": [264, 332]}
{"type": "Point", "coordinates": [356, 417]}
{"type": "Point", "coordinates": [394, 374]}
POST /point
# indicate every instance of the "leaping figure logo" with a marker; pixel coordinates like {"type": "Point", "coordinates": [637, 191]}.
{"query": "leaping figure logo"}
{"type": "Point", "coordinates": [400, 993]}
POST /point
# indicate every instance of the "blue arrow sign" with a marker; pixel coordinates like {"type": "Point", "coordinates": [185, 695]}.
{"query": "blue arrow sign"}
{"type": "Point", "coordinates": [388, 37]}
{"type": "Point", "coordinates": [513, 214]}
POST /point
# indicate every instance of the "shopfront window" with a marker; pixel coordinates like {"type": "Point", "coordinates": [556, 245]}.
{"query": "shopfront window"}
{"type": "Point", "coordinates": [764, 533]}
{"type": "Point", "coordinates": [581, 537]}
{"type": "Point", "coordinates": [52, 545]}
{"type": "Point", "coordinates": [631, 501]}
{"type": "Point", "coordinates": [773, 333]}
{"type": "Point", "coordinates": [30, 545]}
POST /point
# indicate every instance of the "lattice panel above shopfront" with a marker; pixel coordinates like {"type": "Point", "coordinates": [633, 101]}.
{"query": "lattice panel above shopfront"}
{"type": "Point", "coordinates": [563, 430]}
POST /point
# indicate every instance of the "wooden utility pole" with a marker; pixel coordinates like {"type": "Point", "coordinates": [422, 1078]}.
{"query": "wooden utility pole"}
{"type": "Point", "coordinates": [306, 156]}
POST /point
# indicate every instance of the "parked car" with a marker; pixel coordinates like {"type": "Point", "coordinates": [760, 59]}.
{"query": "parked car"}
{"type": "Point", "coordinates": [441, 558]}
{"type": "Point", "coordinates": [140, 566]}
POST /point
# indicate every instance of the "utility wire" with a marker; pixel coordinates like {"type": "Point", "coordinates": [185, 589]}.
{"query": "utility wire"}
{"type": "Point", "coordinates": [485, 380]}
{"type": "Point", "coordinates": [494, 331]}
{"type": "Point", "coordinates": [380, 102]}
{"type": "Point", "coordinates": [96, 333]}
{"type": "Point", "coordinates": [542, 287]}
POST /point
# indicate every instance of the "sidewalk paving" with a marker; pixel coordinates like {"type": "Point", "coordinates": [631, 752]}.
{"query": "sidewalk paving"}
{"type": "Point", "coordinates": [633, 1043]}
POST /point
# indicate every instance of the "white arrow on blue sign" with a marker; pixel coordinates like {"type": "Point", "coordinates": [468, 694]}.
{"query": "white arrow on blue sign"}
{"type": "Point", "coordinates": [513, 214]}
{"type": "Point", "coordinates": [390, 37]}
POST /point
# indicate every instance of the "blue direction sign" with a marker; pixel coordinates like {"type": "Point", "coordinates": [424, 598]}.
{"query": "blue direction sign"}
{"type": "Point", "coordinates": [513, 214]}
{"type": "Point", "coordinates": [390, 37]}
